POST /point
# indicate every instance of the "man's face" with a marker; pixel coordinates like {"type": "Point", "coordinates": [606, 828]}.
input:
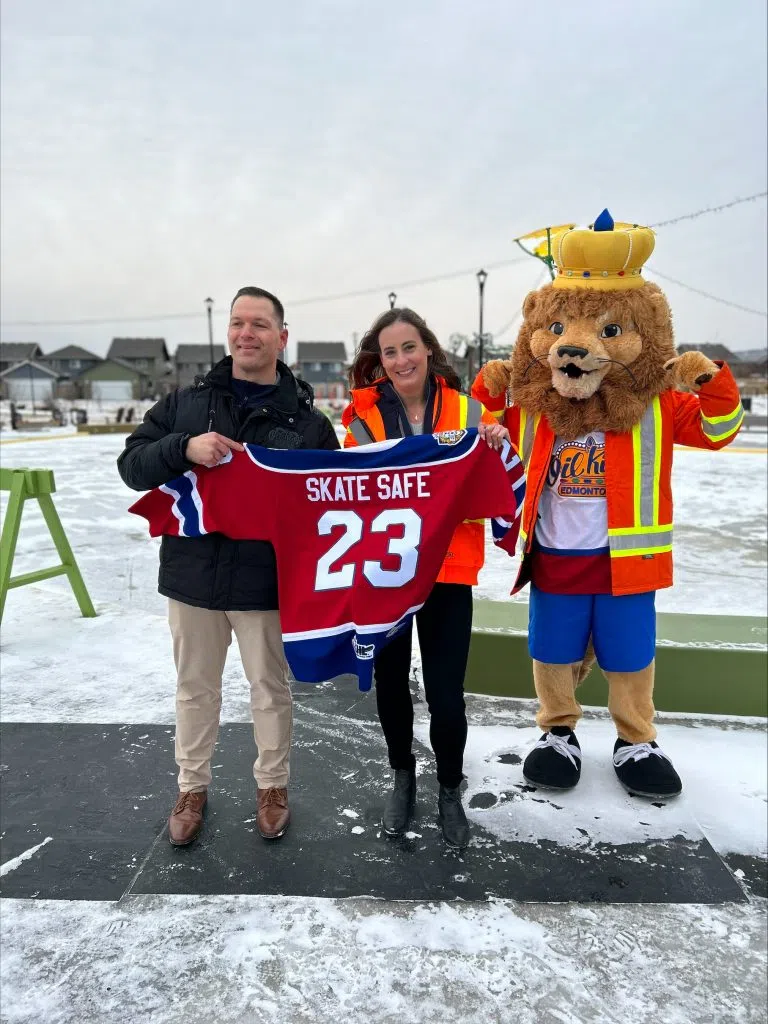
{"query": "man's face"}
{"type": "Point", "coordinates": [255, 339]}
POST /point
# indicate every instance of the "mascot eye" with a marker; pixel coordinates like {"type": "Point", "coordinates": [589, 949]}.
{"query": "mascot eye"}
{"type": "Point", "coordinates": [610, 331]}
{"type": "Point", "coordinates": [556, 327]}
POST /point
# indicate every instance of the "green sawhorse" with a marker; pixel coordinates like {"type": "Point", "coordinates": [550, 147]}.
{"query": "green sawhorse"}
{"type": "Point", "coordinates": [39, 484]}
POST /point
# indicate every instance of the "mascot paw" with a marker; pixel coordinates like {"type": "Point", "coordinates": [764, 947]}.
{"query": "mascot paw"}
{"type": "Point", "coordinates": [496, 376]}
{"type": "Point", "coordinates": [691, 370]}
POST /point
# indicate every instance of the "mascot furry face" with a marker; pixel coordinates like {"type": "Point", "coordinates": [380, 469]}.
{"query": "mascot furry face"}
{"type": "Point", "coordinates": [591, 360]}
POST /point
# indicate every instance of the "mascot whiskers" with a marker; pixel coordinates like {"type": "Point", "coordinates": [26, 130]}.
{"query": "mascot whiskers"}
{"type": "Point", "coordinates": [595, 397]}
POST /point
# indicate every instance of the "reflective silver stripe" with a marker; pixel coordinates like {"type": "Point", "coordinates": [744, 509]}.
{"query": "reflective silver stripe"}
{"type": "Point", "coordinates": [718, 427]}
{"type": "Point", "coordinates": [528, 423]}
{"type": "Point", "coordinates": [642, 541]}
{"type": "Point", "coordinates": [474, 412]}
{"type": "Point", "coordinates": [646, 535]}
{"type": "Point", "coordinates": [646, 482]}
{"type": "Point", "coordinates": [358, 431]}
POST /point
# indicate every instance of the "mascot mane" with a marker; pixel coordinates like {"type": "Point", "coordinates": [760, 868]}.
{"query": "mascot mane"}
{"type": "Point", "coordinates": [626, 391]}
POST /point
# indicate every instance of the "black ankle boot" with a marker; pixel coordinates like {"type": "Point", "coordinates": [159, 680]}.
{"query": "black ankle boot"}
{"type": "Point", "coordinates": [400, 803]}
{"type": "Point", "coordinates": [453, 820]}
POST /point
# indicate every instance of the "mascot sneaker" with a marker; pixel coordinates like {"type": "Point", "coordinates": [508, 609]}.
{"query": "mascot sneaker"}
{"type": "Point", "coordinates": [555, 761]}
{"type": "Point", "coordinates": [645, 770]}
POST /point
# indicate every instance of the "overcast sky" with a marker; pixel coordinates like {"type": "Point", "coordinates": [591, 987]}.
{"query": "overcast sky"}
{"type": "Point", "coordinates": [154, 154]}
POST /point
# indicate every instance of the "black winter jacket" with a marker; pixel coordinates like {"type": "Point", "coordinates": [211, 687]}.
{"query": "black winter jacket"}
{"type": "Point", "coordinates": [214, 571]}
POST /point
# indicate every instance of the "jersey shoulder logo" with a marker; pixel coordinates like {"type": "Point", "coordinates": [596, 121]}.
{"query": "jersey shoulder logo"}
{"type": "Point", "coordinates": [450, 436]}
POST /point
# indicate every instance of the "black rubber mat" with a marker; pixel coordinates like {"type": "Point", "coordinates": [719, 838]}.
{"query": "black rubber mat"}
{"type": "Point", "coordinates": [98, 796]}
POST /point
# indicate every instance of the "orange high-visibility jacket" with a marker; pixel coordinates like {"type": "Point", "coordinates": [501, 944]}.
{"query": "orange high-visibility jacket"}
{"type": "Point", "coordinates": [466, 553]}
{"type": "Point", "coordinates": [638, 473]}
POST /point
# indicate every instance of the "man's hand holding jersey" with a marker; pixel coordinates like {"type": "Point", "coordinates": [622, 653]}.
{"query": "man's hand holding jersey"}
{"type": "Point", "coordinates": [209, 449]}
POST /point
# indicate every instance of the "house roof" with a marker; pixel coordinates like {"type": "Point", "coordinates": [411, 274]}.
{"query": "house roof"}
{"type": "Point", "coordinates": [138, 348]}
{"type": "Point", "coordinates": [712, 352]}
{"type": "Point", "coordinates": [322, 351]}
{"type": "Point", "coordinates": [133, 370]}
{"type": "Point", "coordinates": [70, 352]}
{"type": "Point", "coordinates": [16, 351]}
{"type": "Point", "coordinates": [46, 370]}
{"type": "Point", "coordinates": [198, 353]}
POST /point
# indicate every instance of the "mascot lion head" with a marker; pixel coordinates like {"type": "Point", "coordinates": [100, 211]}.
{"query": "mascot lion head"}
{"type": "Point", "coordinates": [595, 344]}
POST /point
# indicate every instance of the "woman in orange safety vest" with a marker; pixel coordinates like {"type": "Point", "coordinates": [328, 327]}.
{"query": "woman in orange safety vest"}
{"type": "Point", "coordinates": [403, 384]}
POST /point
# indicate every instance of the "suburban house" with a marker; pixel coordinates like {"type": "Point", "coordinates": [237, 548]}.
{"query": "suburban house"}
{"type": "Point", "coordinates": [28, 382]}
{"type": "Point", "coordinates": [150, 357]}
{"type": "Point", "coordinates": [116, 380]}
{"type": "Point", "coordinates": [13, 352]}
{"type": "Point", "coordinates": [323, 365]}
{"type": "Point", "coordinates": [70, 363]}
{"type": "Point", "coordinates": [192, 361]}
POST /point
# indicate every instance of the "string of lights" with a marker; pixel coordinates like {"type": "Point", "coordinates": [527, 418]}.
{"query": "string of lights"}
{"type": "Point", "coordinates": [708, 209]}
{"type": "Point", "coordinates": [289, 303]}
{"type": "Point", "coordinates": [707, 295]}
{"type": "Point", "coordinates": [401, 286]}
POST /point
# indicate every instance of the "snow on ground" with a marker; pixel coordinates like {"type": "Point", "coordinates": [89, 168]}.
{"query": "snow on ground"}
{"type": "Point", "coordinates": [728, 803]}
{"type": "Point", "coordinates": [267, 960]}
{"type": "Point", "coordinates": [219, 959]}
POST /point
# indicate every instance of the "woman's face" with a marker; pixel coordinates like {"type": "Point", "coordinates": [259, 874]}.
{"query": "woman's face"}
{"type": "Point", "coordinates": [404, 358]}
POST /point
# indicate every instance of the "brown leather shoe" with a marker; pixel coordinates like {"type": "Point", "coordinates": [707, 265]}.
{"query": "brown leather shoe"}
{"type": "Point", "coordinates": [273, 816]}
{"type": "Point", "coordinates": [186, 820]}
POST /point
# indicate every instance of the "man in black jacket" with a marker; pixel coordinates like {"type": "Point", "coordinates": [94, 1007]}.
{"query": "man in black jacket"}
{"type": "Point", "coordinates": [214, 584]}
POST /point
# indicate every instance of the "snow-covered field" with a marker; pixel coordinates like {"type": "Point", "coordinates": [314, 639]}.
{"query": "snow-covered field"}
{"type": "Point", "coordinates": [217, 959]}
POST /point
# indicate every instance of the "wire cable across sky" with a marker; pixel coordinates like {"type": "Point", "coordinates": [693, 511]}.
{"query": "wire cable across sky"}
{"type": "Point", "coordinates": [435, 278]}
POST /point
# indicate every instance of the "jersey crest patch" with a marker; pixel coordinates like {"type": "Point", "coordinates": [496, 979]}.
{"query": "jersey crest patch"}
{"type": "Point", "coordinates": [450, 436]}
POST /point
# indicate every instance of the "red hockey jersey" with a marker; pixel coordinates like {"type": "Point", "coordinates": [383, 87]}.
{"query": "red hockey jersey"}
{"type": "Point", "coordinates": [359, 534]}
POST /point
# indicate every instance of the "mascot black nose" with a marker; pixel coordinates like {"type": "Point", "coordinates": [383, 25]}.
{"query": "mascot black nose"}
{"type": "Point", "coordinates": [572, 351]}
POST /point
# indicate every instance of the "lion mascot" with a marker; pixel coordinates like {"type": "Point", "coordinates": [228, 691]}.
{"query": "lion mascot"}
{"type": "Point", "coordinates": [595, 397]}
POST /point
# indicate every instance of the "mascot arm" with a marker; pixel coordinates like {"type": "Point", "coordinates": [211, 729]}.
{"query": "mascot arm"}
{"type": "Point", "coordinates": [711, 418]}
{"type": "Point", "coordinates": [490, 386]}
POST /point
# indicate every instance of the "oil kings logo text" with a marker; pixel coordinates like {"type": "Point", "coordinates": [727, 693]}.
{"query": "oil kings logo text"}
{"type": "Point", "coordinates": [577, 469]}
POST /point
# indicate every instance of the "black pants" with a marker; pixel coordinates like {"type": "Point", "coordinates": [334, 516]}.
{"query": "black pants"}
{"type": "Point", "coordinates": [445, 627]}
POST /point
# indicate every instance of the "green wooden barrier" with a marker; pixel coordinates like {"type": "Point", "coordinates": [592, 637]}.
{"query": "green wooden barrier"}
{"type": "Point", "coordinates": [39, 484]}
{"type": "Point", "coordinates": [106, 428]}
{"type": "Point", "coordinates": [705, 664]}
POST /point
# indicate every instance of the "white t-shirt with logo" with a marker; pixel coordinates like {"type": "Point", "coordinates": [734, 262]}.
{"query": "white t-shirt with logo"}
{"type": "Point", "coordinates": [573, 513]}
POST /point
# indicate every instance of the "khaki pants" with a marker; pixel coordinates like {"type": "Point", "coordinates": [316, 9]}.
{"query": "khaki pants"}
{"type": "Point", "coordinates": [200, 641]}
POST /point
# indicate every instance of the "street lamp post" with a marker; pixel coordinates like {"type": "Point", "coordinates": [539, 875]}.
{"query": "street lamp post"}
{"type": "Point", "coordinates": [392, 299]}
{"type": "Point", "coordinates": [209, 310]}
{"type": "Point", "coordinates": [481, 278]}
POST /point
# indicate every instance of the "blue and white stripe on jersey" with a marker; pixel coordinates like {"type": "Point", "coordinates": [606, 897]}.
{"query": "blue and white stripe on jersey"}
{"type": "Point", "coordinates": [187, 504]}
{"type": "Point", "coordinates": [316, 655]}
{"type": "Point", "coordinates": [413, 452]}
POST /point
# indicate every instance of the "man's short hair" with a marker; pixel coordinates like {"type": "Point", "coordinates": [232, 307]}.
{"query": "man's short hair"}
{"type": "Point", "coordinates": [262, 293]}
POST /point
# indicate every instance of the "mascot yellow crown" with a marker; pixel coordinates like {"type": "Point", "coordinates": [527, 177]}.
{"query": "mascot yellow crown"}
{"type": "Point", "coordinates": [605, 256]}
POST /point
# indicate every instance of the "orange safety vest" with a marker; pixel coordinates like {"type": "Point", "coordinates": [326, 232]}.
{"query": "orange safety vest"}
{"type": "Point", "coordinates": [466, 552]}
{"type": "Point", "coordinates": [638, 473]}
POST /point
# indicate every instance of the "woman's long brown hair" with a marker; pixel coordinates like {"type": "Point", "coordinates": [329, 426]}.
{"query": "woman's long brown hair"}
{"type": "Point", "coordinates": [367, 367]}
